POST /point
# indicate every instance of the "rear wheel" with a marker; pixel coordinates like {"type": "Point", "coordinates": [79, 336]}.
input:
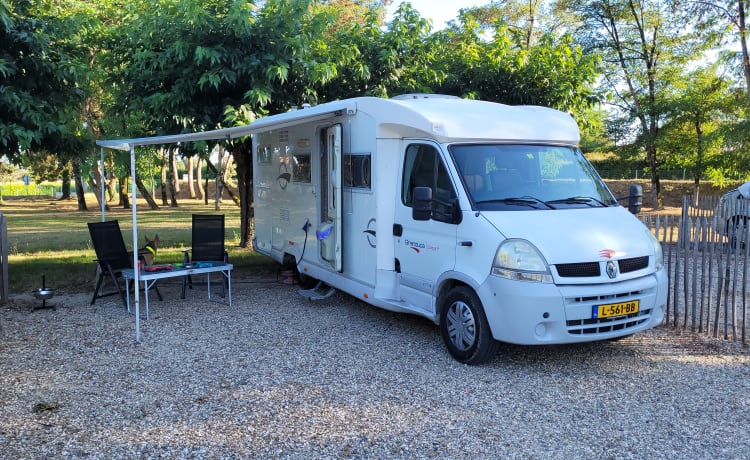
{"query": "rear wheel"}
{"type": "Point", "coordinates": [737, 230]}
{"type": "Point", "coordinates": [305, 281]}
{"type": "Point", "coordinates": [464, 327]}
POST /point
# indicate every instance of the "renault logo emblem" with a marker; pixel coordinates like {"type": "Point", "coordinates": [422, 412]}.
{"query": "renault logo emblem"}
{"type": "Point", "coordinates": [611, 269]}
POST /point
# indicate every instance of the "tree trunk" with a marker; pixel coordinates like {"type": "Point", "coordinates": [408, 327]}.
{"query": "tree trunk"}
{"type": "Point", "coordinates": [111, 179]}
{"type": "Point", "coordinates": [175, 172]}
{"type": "Point", "coordinates": [65, 190]}
{"type": "Point", "coordinates": [655, 179]}
{"type": "Point", "coordinates": [205, 191]}
{"type": "Point", "coordinates": [96, 184]}
{"type": "Point", "coordinates": [171, 180]}
{"type": "Point", "coordinates": [199, 179]}
{"type": "Point", "coordinates": [151, 175]}
{"type": "Point", "coordinates": [230, 191]}
{"type": "Point", "coordinates": [145, 194]}
{"type": "Point", "coordinates": [219, 180]}
{"type": "Point", "coordinates": [653, 163]}
{"type": "Point", "coordinates": [698, 160]}
{"type": "Point", "coordinates": [124, 197]}
{"type": "Point", "coordinates": [79, 185]}
{"type": "Point", "coordinates": [743, 44]}
{"type": "Point", "coordinates": [243, 159]}
{"type": "Point", "coordinates": [190, 184]}
{"type": "Point", "coordinates": [164, 200]}
{"type": "Point", "coordinates": [227, 167]}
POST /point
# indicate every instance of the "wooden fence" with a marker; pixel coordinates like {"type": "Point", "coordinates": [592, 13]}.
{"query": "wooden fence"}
{"type": "Point", "coordinates": [3, 260]}
{"type": "Point", "coordinates": [708, 265]}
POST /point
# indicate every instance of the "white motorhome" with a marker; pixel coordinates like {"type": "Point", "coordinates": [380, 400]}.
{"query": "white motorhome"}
{"type": "Point", "coordinates": [485, 218]}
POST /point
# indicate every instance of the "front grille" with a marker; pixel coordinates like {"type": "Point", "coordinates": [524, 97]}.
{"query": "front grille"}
{"type": "Point", "coordinates": [631, 265]}
{"type": "Point", "coordinates": [578, 270]}
{"type": "Point", "coordinates": [593, 269]}
{"type": "Point", "coordinates": [604, 325]}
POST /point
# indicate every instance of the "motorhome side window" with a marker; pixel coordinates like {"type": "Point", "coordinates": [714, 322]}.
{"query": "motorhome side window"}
{"type": "Point", "coordinates": [357, 171]}
{"type": "Point", "coordinates": [423, 167]}
{"type": "Point", "coordinates": [264, 154]}
{"type": "Point", "coordinates": [302, 171]}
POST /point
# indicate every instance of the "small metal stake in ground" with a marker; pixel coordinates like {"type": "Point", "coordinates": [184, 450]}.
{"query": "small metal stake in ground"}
{"type": "Point", "coordinates": [44, 294]}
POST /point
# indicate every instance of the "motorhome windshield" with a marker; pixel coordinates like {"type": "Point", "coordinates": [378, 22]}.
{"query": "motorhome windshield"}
{"type": "Point", "coordinates": [529, 177]}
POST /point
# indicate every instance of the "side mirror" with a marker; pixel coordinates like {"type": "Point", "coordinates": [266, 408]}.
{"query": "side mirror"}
{"type": "Point", "coordinates": [635, 199]}
{"type": "Point", "coordinates": [421, 203]}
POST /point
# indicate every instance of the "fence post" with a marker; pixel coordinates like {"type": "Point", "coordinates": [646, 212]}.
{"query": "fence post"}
{"type": "Point", "coordinates": [3, 259]}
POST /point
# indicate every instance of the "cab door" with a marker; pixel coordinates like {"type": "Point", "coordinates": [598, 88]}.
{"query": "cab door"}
{"type": "Point", "coordinates": [424, 249]}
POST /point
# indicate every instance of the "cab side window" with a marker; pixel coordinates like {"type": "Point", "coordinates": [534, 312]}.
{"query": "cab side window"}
{"type": "Point", "coordinates": [423, 167]}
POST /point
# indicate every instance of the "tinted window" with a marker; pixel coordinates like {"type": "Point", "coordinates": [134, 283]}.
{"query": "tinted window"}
{"type": "Point", "coordinates": [423, 167]}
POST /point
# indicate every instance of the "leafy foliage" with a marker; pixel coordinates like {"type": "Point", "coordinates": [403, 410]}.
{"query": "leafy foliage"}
{"type": "Point", "coordinates": [40, 92]}
{"type": "Point", "coordinates": [502, 68]}
{"type": "Point", "coordinates": [145, 67]}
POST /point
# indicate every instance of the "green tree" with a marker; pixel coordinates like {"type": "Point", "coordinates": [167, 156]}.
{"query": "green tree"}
{"type": "Point", "coordinates": [642, 43]}
{"type": "Point", "coordinates": [44, 82]}
{"type": "Point", "coordinates": [40, 75]}
{"type": "Point", "coordinates": [692, 133]}
{"type": "Point", "coordinates": [529, 19]}
{"type": "Point", "coordinates": [383, 61]}
{"type": "Point", "coordinates": [500, 66]}
{"type": "Point", "coordinates": [727, 20]}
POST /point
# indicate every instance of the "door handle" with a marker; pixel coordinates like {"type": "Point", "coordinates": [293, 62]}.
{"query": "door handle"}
{"type": "Point", "coordinates": [398, 230]}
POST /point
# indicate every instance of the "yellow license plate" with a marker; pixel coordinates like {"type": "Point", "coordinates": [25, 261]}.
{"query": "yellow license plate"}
{"type": "Point", "coordinates": [616, 309]}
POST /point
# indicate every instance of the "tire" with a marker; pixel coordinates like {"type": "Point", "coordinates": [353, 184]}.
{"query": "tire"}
{"type": "Point", "coordinates": [736, 230]}
{"type": "Point", "coordinates": [305, 281]}
{"type": "Point", "coordinates": [464, 327]}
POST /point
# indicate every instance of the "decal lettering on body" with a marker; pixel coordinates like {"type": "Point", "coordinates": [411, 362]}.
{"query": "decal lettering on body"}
{"type": "Point", "coordinates": [419, 246]}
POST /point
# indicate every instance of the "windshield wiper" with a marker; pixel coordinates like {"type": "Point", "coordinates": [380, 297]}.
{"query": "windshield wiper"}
{"type": "Point", "coordinates": [521, 201]}
{"type": "Point", "coordinates": [589, 200]}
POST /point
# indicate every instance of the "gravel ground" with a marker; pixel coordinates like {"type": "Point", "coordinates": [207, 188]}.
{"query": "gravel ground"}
{"type": "Point", "coordinates": [278, 376]}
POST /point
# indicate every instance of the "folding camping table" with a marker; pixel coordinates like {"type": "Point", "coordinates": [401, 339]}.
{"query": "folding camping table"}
{"type": "Point", "coordinates": [149, 278]}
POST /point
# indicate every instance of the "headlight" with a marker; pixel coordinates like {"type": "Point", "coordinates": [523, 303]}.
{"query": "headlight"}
{"type": "Point", "coordinates": [519, 260]}
{"type": "Point", "coordinates": [658, 252]}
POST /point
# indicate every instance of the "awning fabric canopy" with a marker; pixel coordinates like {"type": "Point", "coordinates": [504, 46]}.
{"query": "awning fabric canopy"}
{"type": "Point", "coordinates": [226, 133]}
{"type": "Point", "coordinates": [280, 121]}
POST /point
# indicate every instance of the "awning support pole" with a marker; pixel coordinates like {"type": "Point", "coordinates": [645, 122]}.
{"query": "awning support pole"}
{"type": "Point", "coordinates": [136, 289]}
{"type": "Point", "coordinates": [101, 185]}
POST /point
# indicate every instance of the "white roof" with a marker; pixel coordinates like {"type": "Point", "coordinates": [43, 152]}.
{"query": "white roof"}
{"type": "Point", "coordinates": [450, 119]}
{"type": "Point", "coordinates": [444, 118]}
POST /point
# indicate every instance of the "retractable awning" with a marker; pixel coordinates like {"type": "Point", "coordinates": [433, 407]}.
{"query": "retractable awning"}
{"type": "Point", "coordinates": [320, 112]}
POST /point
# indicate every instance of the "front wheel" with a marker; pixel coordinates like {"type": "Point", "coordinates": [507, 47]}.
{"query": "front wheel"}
{"type": "Point", "coordinates": [464, 327]}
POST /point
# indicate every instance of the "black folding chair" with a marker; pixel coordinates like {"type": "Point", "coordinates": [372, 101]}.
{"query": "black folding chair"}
{"type": "Point", "coordinates": [207, 245]}
{"type": "Point", "coordinates": [112, 257]}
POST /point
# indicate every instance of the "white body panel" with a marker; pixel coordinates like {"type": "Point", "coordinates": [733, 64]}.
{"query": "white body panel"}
{"type": "Point", "coordinates": [395, 262]}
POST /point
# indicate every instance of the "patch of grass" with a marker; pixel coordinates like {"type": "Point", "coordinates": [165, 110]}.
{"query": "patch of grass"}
{"type": "Point", "coordinates": [50, 238]}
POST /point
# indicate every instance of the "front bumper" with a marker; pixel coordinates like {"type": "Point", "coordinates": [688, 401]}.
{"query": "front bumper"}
{"type": "Point", "coordinates": [535, 313]}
